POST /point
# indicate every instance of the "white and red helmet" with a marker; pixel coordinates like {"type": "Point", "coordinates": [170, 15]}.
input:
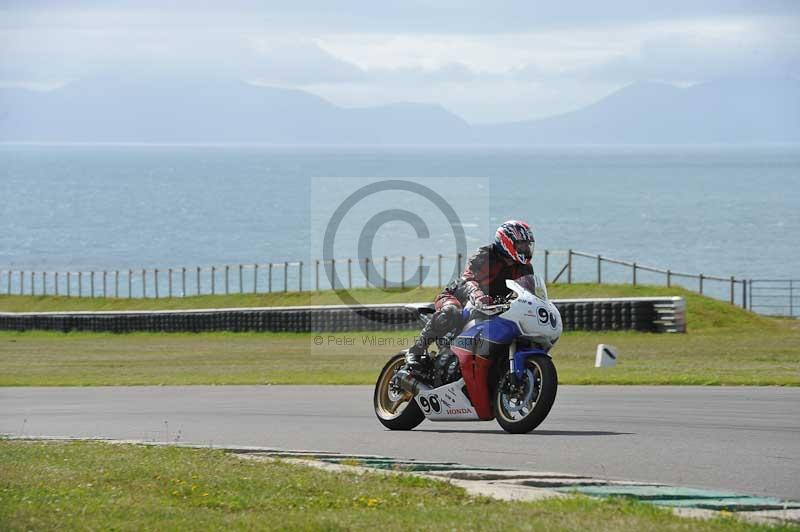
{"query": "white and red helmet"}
{"type": "Point", "coordinates": [515, 240]}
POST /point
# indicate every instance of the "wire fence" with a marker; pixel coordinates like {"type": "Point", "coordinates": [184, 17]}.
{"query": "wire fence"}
{"type": "Point", "coordinates": [385, 272]}
{"type": "Point", "coordinates": [775, 296]}
{"type": "Point", "coordinates": [559, 266]}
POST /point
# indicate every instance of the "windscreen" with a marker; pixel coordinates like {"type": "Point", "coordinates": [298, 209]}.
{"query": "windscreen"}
{"type": "Point", "coordinates": [533, 284]}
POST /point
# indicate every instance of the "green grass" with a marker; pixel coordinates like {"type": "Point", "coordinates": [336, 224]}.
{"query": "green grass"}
{"type": "Point", "coordinates": [276, 299]}
{"type": "Point", "coordinates": [749, 357]}
{"type": "Point", "coordinates": [725, 345]}
{"type": "Point", "coordinates": [94, 486]}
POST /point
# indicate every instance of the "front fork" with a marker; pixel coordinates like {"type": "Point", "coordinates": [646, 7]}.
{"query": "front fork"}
{"type": "Point", "coordinates": [512, 350]}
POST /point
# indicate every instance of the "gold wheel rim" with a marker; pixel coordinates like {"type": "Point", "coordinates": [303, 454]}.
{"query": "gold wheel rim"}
{"type": "Point", "coordinates": [535, 369]}
{"type": "Point", "coordinates": [391, 405]}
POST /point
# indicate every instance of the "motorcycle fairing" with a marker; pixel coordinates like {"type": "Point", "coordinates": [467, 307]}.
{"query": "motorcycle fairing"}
{"type": "Point", "coordinates": [447, 403]}
{"type": "Point", "coordinates": [498, 330]}
{"type": "Point", "coordinates": [475, 368]}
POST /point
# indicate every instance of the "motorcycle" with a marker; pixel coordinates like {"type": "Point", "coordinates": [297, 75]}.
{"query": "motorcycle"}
{"type": "Point", "coordinates": [497, 366]}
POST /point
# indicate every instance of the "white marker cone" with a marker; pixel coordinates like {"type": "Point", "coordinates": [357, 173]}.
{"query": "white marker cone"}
{"type": "Point", "coordinates": [606, 356]}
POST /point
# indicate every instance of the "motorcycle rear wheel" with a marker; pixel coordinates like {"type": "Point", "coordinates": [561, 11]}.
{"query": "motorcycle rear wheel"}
{"type": "Point", "coordinates": [522, 409]}
{"type": "Point", "coordinates": [396, 411]}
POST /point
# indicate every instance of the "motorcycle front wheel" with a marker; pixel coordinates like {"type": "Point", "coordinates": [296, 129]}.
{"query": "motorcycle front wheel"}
{"type": "Point", "coordinates": [396, 409]}
{"type": "Point", "coordinates": [521, 405]}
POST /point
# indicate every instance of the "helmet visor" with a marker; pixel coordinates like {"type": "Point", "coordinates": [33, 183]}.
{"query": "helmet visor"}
{"type": "Point", "coordinates": [524, 248]}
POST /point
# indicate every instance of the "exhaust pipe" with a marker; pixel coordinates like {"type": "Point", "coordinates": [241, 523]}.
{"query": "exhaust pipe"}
{"type": "Point", "coordinates": [409, 383]}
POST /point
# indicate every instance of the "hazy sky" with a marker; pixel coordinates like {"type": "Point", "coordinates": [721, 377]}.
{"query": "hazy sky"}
{"type": "Point", "coordinates": [486, 61]}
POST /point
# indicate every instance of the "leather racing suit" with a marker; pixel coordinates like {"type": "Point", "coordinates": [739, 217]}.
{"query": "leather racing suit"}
{"type": "Point", "coordinates": [485, 275]}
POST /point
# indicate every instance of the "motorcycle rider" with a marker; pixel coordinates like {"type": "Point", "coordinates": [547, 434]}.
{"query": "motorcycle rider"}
{"type": "Point", "coordinates": [508, 257]}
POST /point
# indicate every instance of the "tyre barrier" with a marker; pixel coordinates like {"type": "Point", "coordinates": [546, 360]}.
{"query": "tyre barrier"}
{"type": "Point", "coordinates": [663, 314]}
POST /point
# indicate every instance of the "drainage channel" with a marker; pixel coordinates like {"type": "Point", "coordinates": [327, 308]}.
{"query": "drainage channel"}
{"type": "Point", "coordinates": [378, 462]}
{"type": "Point", "coordinates": [677, 497]}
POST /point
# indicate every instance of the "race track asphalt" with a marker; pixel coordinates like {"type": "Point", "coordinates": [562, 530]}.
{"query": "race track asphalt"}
{"type": "Point", "coordinates": [743, 439]}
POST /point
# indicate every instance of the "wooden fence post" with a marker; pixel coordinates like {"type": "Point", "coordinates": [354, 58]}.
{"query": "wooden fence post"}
{"type": "Point", "coordinates": [599, 269]}
{"type": "Point", "coordinates": [255, 278]}
{"type": "Point", "coordinates": [300, 276]}
{"type": "Point", "coordinates": [546, 257]}
{"type": "Point", "coordinates": [569, 266]}
{"type": "Point", "coordinates": [227, 272]}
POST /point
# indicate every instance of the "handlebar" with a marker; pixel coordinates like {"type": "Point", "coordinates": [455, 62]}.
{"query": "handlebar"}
{"type": "Point", "coordinates": [491, 310]}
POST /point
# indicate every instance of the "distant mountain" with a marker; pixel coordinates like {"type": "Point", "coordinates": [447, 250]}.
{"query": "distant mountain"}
{"type": "Point", "coordinates": [721, 111]}
{"type": "Point", "coordinates": [117, 110]}
{"type": "Point", "coordinates": [211, 111]}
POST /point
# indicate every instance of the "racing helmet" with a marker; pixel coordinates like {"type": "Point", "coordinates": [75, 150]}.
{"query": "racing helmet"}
{"type": "Point", "coordinates": [514, 239]}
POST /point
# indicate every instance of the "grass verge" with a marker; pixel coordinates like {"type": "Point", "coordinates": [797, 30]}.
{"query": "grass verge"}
{"type": "Point", "coordinates": [275, 299]}
{"type": "Point", "coordinates": [725, 345]}
{"type": "Point", "coordinates": [94, 486]}
{"type": "Point", "coordinates": [87, 359]}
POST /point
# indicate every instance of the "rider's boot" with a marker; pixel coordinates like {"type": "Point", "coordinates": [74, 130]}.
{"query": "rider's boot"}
{"type": "Point", "coordinates": [442, 321]}
{"type": "Point", "coordinates": [417, 358]}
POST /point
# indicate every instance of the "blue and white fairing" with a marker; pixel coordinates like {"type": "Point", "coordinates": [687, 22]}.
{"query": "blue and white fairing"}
{"type": "Point", "coordinates": [530, 315]}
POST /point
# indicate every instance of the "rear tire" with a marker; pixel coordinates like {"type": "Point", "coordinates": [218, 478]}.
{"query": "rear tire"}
{"type": "Point", "coordinates": [524, 410]}
{"type": "Point", "coordinates": [395, 411]}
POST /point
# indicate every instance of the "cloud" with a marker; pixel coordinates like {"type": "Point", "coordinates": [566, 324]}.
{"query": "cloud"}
{"type": "Point", "coordinates": [668, 50]}
{"type": "Point", "coordinates": [303, 63]}
{"type": "Point", "coordinates": [368, 16]}
{"type": "Point", "coordinates": [700, 56]}
{"type": "Point", "coordinates": [510, 58]}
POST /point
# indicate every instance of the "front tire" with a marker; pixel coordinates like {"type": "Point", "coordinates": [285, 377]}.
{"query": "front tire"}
{"type": "Point", "coordinates": [396, 410]}
{"type": "Point", "coordinates": [520, 408]}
